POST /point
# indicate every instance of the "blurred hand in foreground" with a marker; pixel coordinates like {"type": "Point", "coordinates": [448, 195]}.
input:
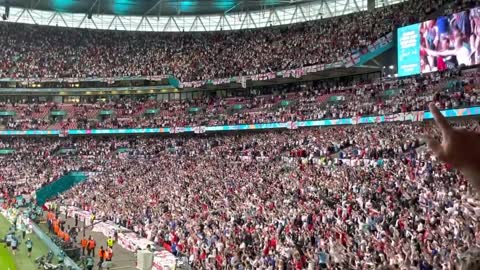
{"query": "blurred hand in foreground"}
{"type": "Point", "coordinates": [458, 147]}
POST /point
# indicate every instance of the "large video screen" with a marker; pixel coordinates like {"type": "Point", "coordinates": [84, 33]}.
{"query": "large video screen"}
{"type": "Point", "coordinates": [436, 45]}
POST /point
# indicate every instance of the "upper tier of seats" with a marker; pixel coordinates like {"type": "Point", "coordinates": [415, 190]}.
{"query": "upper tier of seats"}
{"type": "Point", "coordinates": [32, 51]}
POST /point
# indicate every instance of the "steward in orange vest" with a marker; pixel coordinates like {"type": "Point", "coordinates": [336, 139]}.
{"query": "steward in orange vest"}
{"type": "Point", "coordinates": [91, 247]}
{"type": "Point", "coordinates": [84, 244]}
{"type": "Point", "coordinates": [101, 255]}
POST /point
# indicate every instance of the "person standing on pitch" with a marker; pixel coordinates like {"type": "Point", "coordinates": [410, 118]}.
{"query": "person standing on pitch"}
{"type": "Point", "coordinates": [23, 229]}
{"type": "Point", "coordinates": [29, 245]}
{"type": "Point", "coordinates": [8, 240]}
{"type": "Point", "coordinates": [14, 244]}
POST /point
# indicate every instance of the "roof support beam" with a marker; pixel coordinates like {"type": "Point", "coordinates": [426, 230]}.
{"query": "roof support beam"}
{"type": "Point", "coordinates": [93, 22]}
{"type": "Point", "coordinates": [149, 24]}
{"type": "Point", "coordinates": [302, 13]}
{"type": "Point", "coordinates": [33, 6]}
{"type": "Point", "coordinates": [356, 5]}
{"type": "Point", "coordinates": [227, 22]}
{"type": "Point", "coordinates": [218, 27]}
{"type": "Point", "coordinates": [83, 20]}
{"type": "Point", "coordinates": [320, 11]}
{"type": "Point", "coordinates": [243, 20]}
{"type": "Point", "coordinates": [140, 23]}
{"type": "Point", "coordinates": [21, 14]}
{"type": "Point", "coordinates": [167, 24]}
{"type": "Point", "coordinates": [176, 24]}
{"type": "Point", "coordinates": [196, 23]}
{"type": "Point", "coordinates": [294, 14]}
{"type": "Point", "coordinates": [201, 22]}
{"type": "Point", "coordinates": [328, 9]}
{"type": "Point", "coordinates": [93, 6]}
{"type": "Point", "coordinates": [345, 7]}
{"type": "Point", "coordinates": [63, 19]}
{"type": "Point", "coordinates": [236, 17]}
{"type": "Point", "coordinates": [121, 22]}
{"type": "Point", "coordinates": [51, 18]}
{"type": "Point", "coordinates": [111, 22]}
{"type": "Point", "coordinates": [31, 16]}
{"type": "Point", "coordinates": [276, 16]}
{"type": "Point", "coordinates": [269, 20]}
{"type": "Point", "coordinates": [253, 21]}
{"type": "Point", "coordinates": [193, 23]}
{"type": "Point", "coordinates": [232, 8]}
{"type": "Point", "coordinates": [153, 7]}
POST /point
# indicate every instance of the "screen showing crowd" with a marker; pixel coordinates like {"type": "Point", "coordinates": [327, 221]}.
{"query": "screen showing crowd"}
{"type": "Point", "coordinates": [440, 44]}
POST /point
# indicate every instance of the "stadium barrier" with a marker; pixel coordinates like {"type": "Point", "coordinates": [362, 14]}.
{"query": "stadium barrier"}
{"type": "Point", "coordinates": [399, 117]}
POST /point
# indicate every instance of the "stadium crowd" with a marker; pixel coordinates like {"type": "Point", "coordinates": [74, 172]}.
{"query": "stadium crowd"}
{"type": "Point", "coordinates": [345, 197]}
{"type": "Point", "coordinates": [349, 197]}
{"type": "Point", "coordinates": [296, 102]}
{"type": "Point", "coordinates": [32, 51]}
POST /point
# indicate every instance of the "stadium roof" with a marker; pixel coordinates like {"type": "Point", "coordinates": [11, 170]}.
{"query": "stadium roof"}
{"type": "Point", "coordinates": [178, 15]}
{"type": "Point", "coordinates": [150, 7]}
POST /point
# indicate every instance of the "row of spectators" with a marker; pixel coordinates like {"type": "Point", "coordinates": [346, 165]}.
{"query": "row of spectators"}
{"type": "Point", "coordinates": [343, 198]}
{"type": "Point", "coordinates": [32, 51]}
{"type": "Point", "coordinates": [306, 101]}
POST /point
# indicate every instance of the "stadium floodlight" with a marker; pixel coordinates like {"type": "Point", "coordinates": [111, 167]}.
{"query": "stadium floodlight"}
{"type": "Point", "coordinates": [391, 67]}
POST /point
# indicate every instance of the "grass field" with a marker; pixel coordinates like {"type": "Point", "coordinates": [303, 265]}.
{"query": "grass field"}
{"type": "Point", "coordinates": [20, 261]}
{"type": "Point", "coordinates": [6, 259]}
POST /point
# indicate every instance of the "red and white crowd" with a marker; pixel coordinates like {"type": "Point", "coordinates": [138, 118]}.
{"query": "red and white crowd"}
{"type": "Point", "coordinates": [307, 101]}
{"type": "Point", "coordinates": [346, 197]}
{"type": "Point", "coordinates": [53, 52]}
{"type": "Point", "coordinates": [349, 197]}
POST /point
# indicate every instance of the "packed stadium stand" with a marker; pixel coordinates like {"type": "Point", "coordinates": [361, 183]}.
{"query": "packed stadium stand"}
{"type": "Point", "coordinates": [294, 102]}
{"type": "Point", "coordinates": [53, 52]}
{"type": "Point", "coordinates": [326, 169]}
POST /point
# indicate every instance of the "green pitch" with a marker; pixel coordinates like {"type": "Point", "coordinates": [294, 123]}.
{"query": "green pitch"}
{"type": "Point", "coordinates": [6, 259]}
{"type": "Point", "coordinates": [20, 261]}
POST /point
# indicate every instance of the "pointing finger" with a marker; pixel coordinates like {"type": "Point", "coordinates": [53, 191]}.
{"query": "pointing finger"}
{"type": "Point", "coordinates": [440, 120]}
